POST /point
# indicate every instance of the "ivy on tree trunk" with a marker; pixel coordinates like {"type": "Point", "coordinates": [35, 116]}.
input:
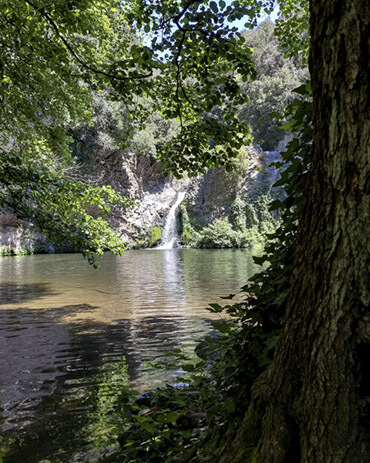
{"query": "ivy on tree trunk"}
{"type": "Point", "coordinates": [312, 403]}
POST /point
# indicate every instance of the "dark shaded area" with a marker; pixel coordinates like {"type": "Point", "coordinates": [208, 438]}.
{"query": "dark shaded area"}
{"type": "Point", "coordinates": [363, 354]}
{"type": "Point", "coordinates": [13, 293]}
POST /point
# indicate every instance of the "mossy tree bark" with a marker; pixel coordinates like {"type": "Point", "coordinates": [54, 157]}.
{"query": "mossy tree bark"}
{"type": "Point", "coordinates": [312, 404]}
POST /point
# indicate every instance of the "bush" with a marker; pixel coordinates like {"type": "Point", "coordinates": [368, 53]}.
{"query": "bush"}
{"type": "Point", "coordinates": [143, 143]}
{"type": "Point", "coordinates": [149, 237]}
{"type": "Point", "coordinates": [250, 221]}
{"type": "Point", "coordinates": [220, 235]}
{"type": "Point", "coordinates": [189, 236]}
{"type": "Point", "coordinates": [5, 251]}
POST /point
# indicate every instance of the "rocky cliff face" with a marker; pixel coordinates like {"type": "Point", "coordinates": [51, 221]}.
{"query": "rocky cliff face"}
{"type": "Point", "coordinates": [17, 238]}
{"type": "Point", "coordinates": [140, 178]}
{"type": "Point", "coordinates": [208, 197]}
{"type": "Point", "coordinates": [211, 196]}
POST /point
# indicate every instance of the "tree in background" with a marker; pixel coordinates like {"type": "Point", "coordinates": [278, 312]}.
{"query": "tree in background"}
{"type": "Point", "coordinates": [271, 91]}
{"type": "Point", "coordinates": [181, 55]}
{"type": "Point", "coordinates": [50, 56]}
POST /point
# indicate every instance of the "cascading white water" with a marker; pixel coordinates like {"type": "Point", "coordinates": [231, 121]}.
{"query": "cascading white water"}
{"type": "Point", "coordinates": [272, 172]}
{"type": "Point", "coordinates": [169, 230]}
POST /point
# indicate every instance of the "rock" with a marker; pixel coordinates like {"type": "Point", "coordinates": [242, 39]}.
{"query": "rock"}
{"type": "Point", "coordinates": [17, 238]}
{"type": "Point", "coordinates": [140, 178]}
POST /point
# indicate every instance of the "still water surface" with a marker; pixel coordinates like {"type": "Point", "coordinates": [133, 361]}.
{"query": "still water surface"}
{"type": "Point", "coordinates": [61, 321]}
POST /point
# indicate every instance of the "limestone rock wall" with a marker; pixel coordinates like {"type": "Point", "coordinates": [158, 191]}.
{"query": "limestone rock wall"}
{"type": "Point", "coordinates": [140, 178]}
{"type": "Point", "coordinates": [17, 238]}
{"type": "Point", "coordinates": [211, 196]}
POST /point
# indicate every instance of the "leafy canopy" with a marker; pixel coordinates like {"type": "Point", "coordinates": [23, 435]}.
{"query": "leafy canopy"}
{"type": "Point", "coordinates": [184, 56]}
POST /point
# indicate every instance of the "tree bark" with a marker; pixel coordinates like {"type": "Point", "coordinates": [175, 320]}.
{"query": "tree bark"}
{"type": "Point", "coordinates": [312, 404]}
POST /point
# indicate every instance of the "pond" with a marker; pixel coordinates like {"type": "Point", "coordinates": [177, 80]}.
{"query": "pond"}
{"type": "Point", "coordinates": [62, 323]}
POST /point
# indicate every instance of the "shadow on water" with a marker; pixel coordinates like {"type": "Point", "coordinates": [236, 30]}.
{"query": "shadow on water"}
{"type": "Point", "coordinates": [45, 399]}
{"type": "Point", "coordinates": [13, 293]}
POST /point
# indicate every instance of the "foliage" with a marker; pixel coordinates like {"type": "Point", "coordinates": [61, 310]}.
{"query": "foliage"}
{"type": "Point", "coordinates": [113, 131]}
{"type": "Point", "coordinates": [271, 91]}
{"type": "Point", "coordinates": [36, 188]}
{"type": "Point", "coordinates": [264, 306]}
{"type": "Point", "coordinates": [48, 53]}
{"type": "Point", "coordinates": [247, 226]}
{"type": "Point", "coordinates": [149, 237]}
{"type": "Point", "coordinates": [158, 131]}
{"type": "Point", "coordinates": [242, 160]}
{"type": "Point", "coordinates": [219, 234]}
{"type": "Point", "coordinates": [189, 229]}
{"type": "Point", "coordinates": [108, 415]}
{"type": "Point", "coordinates": [249, 212]}
{"type": "Point", "coordinates": [199, 53]}
{"type": "Point", "coordinates": [106, 133]}
{"type": "Point", "coordinates": [5, 251]}
{"type": "Point", "coordinates": [238, 213]}
{"type": "Point", "coordinates": [292, 30]}
{"type": "Point", "coordinates": [183, 56]}
{"type": "Point", "coordinates": [143, 143]}
{"type": "Point", "coordinates": [4, 443]}
{"type": "Point", "coordinates": [155, 235]}
{"type": "Point", "coordinates": [164, 424]}
{"type": "Point", "coordinates": [22, 250]}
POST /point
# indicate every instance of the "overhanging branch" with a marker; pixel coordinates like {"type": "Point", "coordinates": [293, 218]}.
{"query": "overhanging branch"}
{"type": "Point", "coordinates": [77, 57]}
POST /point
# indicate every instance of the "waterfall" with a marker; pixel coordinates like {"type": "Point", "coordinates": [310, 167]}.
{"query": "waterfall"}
{"type": "Point", "coordinates": [169, 230]}
{"type": "Point", "coordinates": [272, 171]}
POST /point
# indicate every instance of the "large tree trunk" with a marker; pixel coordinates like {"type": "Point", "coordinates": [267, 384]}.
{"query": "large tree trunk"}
{"type": "Point", "coordinates": [312, 404]}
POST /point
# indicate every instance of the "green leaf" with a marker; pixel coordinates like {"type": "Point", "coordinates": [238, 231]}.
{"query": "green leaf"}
{"type": "Point", "coordinates": [150, 427]}
{"type": "Point", "coordinates": [222, 326]}
{"type": "Point", "coordinates": [171, 417]}
{"type": "Point", "coordinates": [215, 308]}
{"type": "Point", "coordinates": [214, 7]}
{"type": "Point", "coordinates": [260, 260]}
{"type": "Point", "coordinates": [188, 367]}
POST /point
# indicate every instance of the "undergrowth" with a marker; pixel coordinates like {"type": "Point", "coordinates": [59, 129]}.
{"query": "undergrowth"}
{"type": "Point", "coordinates": [246, 227]}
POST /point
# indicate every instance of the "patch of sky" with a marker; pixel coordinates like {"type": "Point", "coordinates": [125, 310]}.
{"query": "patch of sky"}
{"type": "Point", "coordinates": [273, 16]}
{"type": "Point", "coordinates": [239, 24]}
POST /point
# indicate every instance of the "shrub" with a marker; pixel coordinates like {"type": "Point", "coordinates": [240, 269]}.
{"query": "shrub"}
{"type": "Point", "coordinates": [189, 236]}
{"type": "Point", "coordinates": [219, 235]}
{"type": "Point", "coordinates": [148, 238]}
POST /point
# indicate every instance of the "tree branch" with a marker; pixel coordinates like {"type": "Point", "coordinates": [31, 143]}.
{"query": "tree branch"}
{"type": "Point", "coordinates": [75, 55]}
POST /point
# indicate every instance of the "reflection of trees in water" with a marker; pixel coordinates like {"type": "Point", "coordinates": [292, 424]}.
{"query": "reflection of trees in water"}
{"type": "Point", "coordinates": [211, 273]}
{"type": "Point", "coordinates": [48, 366]}
{"type": "Point", "coordinates": [156, 280]}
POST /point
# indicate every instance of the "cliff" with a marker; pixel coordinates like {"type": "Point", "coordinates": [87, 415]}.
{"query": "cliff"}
{"type": "Point", "coordinates": [209, 198]}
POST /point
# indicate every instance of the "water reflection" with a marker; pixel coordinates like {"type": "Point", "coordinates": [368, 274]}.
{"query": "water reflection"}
{"type": "Point", "coordinates": [56, 367]}
{"type": "Point", "coordinates": [61, 320]}
{"type": "Point", "coordinates": [42, 355]}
